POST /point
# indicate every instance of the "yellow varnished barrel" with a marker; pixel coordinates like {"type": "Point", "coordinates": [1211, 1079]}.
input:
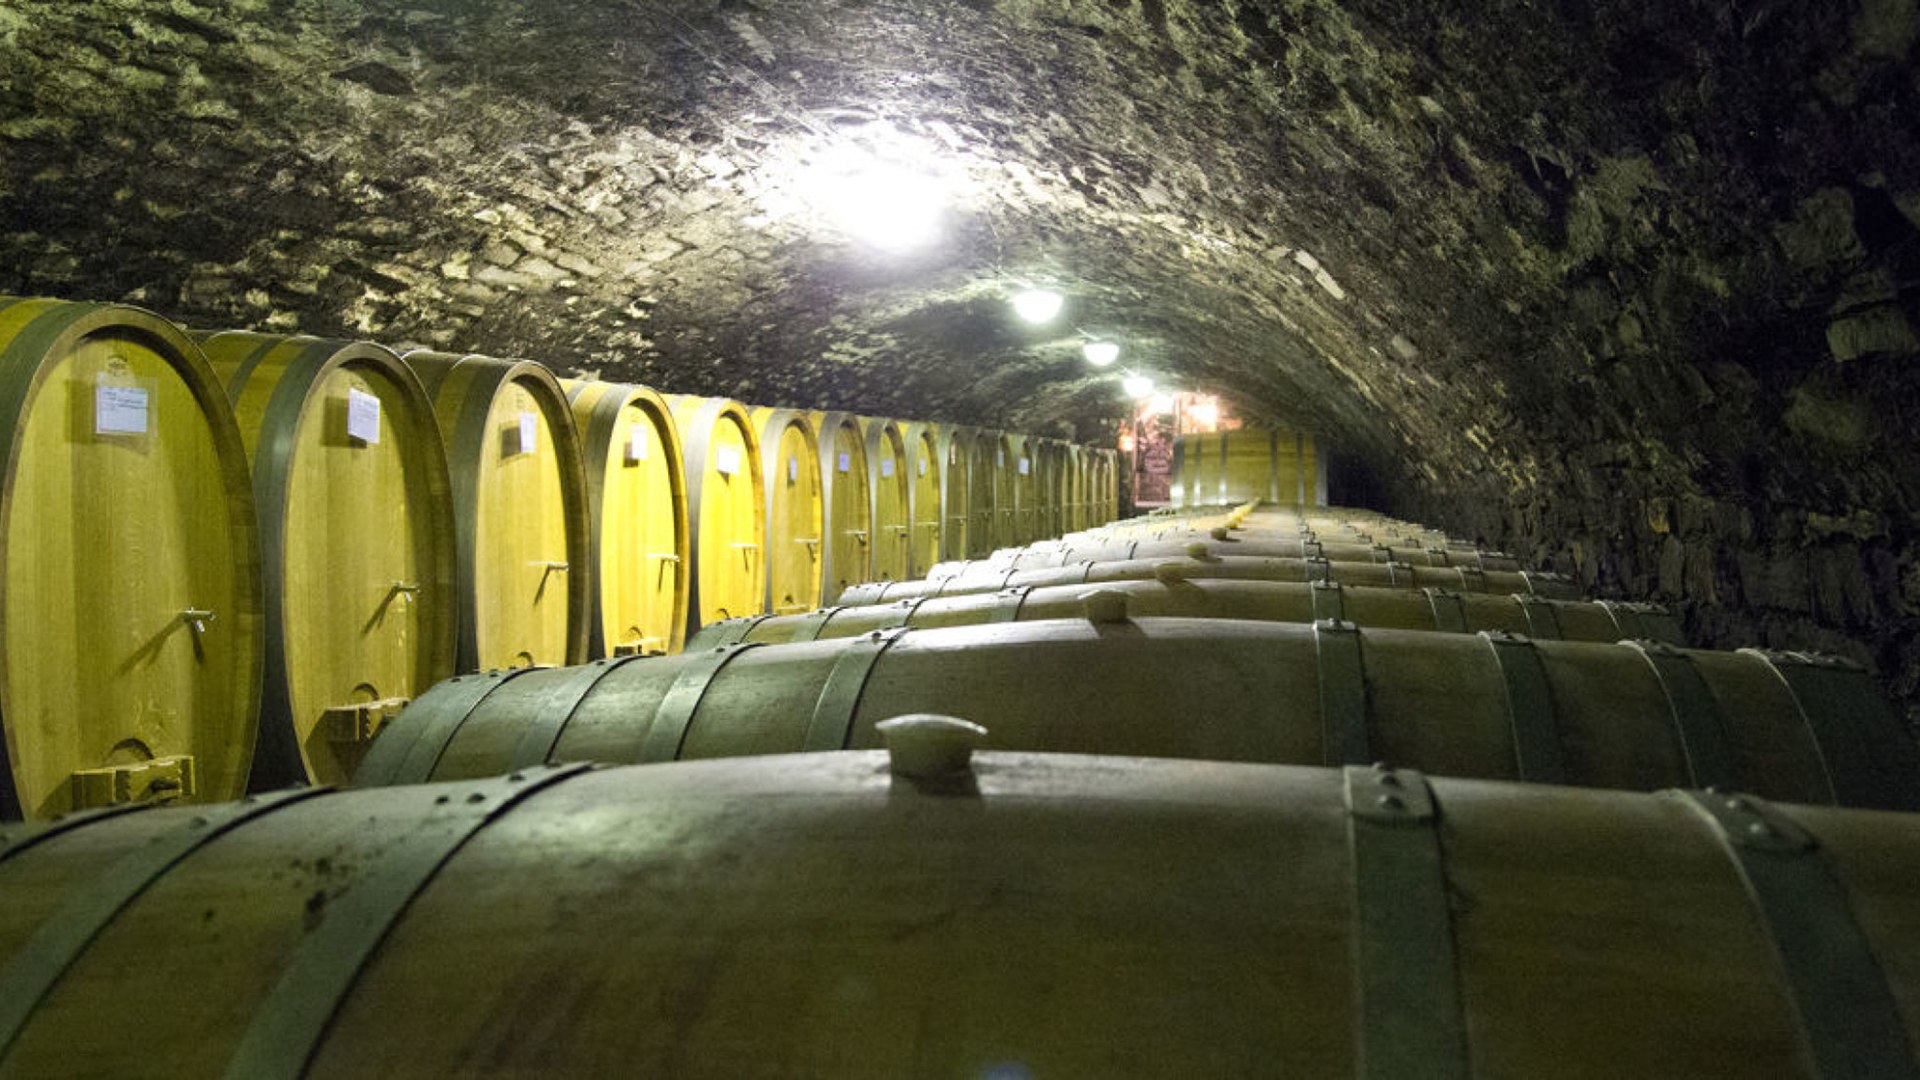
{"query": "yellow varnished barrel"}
{"type": "Point", "coordinates": [1201, 565]}
{"type": "Point", "coordinates": [926, 508]}
{"type": "Point", "coordinates": [1630, 715]}
{"type": "Point", "coordinates": [1014, 915]}
{"type": "Point", "coordinates": [983, 507]}
{"type": "Point", "coordinates": [726, 508]}
{"type": "Point", "coordinates": [1005, 458]}
{"type": "Point", "coordinates": [1079, 485]}
{"type": "Point", "coordinates": [637, 497]}
{"type": "Point", "coordinates": [356, 521]}
{"type": "Point", "coordinates": [1280, 466]}
{"type": "Point", "coordinates": [892, 499]}
{"type": "Point", "coordinates": [796, 506]}
{"type": "Point", "coordinates": [1058, 480]}
{"type": "Point", "coordinates": [133, 609]}
{"type": "Point", "coordinates": [956, 491]}
{"type": "Point", "coordinates": [1107, 496]}
{"type": "Point", "coordinates": [1023, 487]}
{"type": "Point", "coordinates": [847, 554]}
{"type": "Point", "coordinates": [520, 510]}
{"type": "Point", "coordinates": [1435, 609]}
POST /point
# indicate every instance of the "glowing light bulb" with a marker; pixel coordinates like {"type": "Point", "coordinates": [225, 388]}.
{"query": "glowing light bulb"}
{"type": "Point", "coordinates": [877, 202]}
{"type": "Point", "coordinates": [1137, 386]}
{"type": "Point", "coordinates": [1101, 353]}
{"type": "Point", "coordinates": [1038, 305]}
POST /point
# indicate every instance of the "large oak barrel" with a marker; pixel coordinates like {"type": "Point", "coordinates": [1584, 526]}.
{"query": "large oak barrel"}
{"type": "Point", "coordinates": [1269, 601]}
{"type": "Point", "coordinates": [520, 510]}
{"type": "Point", "coordinates": [983, 508]}
{"type": "Point", "coordinates": [1019, 915]}
{"type": "Point", "coordinates": [1006, 497]}
{"type": "Point", "coordinates": [131, 647]}
{"type": "Point", "coordinates": [1224, 542]}
{"type": "Point", "coordinates": [1079, 488]}
{"type": "Point", "coordinates": [357, 541]}
{"type": "Point", "coordinates": [926, 506]}
{"type": "Point", "coordinates": [1200, 565]}
{"type": "Point", "coordinates": [1023, 487]}
{"type": "Point", "coordinates": [1282, 467]}
{"type": "Point", "coordinates": [790, 461]}
{"type": "Point", "coordinates": [726, 508]}
{"type": "Point", "coordinates": [848, 551]}
{"type": "Point", "coordinates": [637, 498]}
{"type": "Point", "coordinates": [892, 495]}
{"type": "Point", "coordinates": [1630, 715]}
{"type": "Point", "coordinates": [955, 452]}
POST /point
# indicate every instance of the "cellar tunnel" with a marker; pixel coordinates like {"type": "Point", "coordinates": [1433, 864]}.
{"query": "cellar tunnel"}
{"type": "Point", "coordinates": [1625, 288]}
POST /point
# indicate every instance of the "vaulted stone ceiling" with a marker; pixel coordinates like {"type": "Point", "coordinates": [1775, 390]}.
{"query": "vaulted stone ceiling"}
{"type": "Point", "coordinates": [1626, 286]}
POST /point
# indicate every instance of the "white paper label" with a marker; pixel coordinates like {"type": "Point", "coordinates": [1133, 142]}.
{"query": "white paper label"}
{"type": "Point", "coordinates": [923, 466]}
{"type": "Point", "coordinates": [529, 432]}
{"type": "Point", "coordinates": [1025, 466]}
{"type": "Point", "coordinates": [363, 416]}
{"type": "Point", "coordinates": [119, 410]}
{"type": "Point", "coordinates": [727, 461]}
{"type": "Point", "coordinates": [637, 443]}
{"type": "Point", "coordinates": [886, 466]}
{"type": "Point", "coordinates": [1000, 458]}
{"type": "Point", "coordinates": [793, 470]}
{"type": "Point", "coordinates": [846, 462]}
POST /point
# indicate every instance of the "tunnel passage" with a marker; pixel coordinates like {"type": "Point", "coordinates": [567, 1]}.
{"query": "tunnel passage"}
{"type": "Point", "coordinates": [1625, 287]}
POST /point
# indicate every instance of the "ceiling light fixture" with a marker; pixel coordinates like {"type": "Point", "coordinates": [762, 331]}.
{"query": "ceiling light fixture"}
{"type": "Point", "coordinates": [1038, 305]}
{"type": "Point", "coordinates": [1101, 353]}
{"type": "Point", "coordinates": [1137, 386]}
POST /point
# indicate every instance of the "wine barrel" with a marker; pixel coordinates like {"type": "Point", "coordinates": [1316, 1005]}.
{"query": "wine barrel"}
{"type": "Point", "coordinates": [1269, 601]}
{"type": "Point", "coordinates": [357, 543]}
{"type": "Point", "coordinates": [926, 508]}
{"type": "Point", "coordinates": [131, 651]}
{"type": "Point", "coordinates": [790, 461]}
{"type": "Point", "coordinates": [1013, 915]}
{"type": "Point", "coordinates": [637, 500]}
{"type": "Point", "coordinates": [1024, 488]}
{"type": "Point", "coordinates": [726, 508]}
{"type": "Point", "coordinates": [1223, 542]}
{"type": "Point", "coordinates": [1633, 715]}
{"type": "Point", "coordinates": [892, 496]}
{"type": "Point", "coordinates": [520, 510]}
{"type": "Point", "coordinates": [1281, 467]}
{"type": "Point", "coordinates": [849, 503]}
{"type": "Point", "coordinates": [1199, 565]}
{"type": "Point", "coordinates": [1006, 503]}
{"type": "Point", "coordinates": [1107, 497]}
{"type": "Point", "coordinates": [983, 508]}
{"type": "Point", "coordinates": [955, 454]}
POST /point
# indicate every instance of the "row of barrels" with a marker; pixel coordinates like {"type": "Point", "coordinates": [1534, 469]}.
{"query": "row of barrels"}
{"type": "Point", "coordinates": [1209, 870]}
{"type": "Point", "coordinates": [232, 557]}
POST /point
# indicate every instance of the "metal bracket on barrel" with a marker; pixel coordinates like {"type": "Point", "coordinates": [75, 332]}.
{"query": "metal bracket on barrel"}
{"type": "Point", "coordinates": [1696, 716]}
{"type": "Point", "coordinates": [1848, 1017]}
{"type": "Point", "coordinates": [1449, 610]}
{"type": "Point", "coordinates": [60, 940]}
{"type": "Point", "coordinates": [1329, 601]}
{"type": "Point", "coordinates": [682, 700]}
{"type": "Point", "coordinates": [1530, 709]}
{"type": "Point", "coordinates": [1409, 1020]}
{"type": "Point", "coordinates": [839, 699]}
{"type": "Point", "coordinates": [1010, 601]}
{"type": "Point", "coordinates": [1543, 619]}
{"type": "Point", "coordinates": [1343, 693]}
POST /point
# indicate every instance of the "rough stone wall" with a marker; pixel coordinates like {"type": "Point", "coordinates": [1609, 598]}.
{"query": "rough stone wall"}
{"type": "Point", "coordinates": [1624, 285]}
